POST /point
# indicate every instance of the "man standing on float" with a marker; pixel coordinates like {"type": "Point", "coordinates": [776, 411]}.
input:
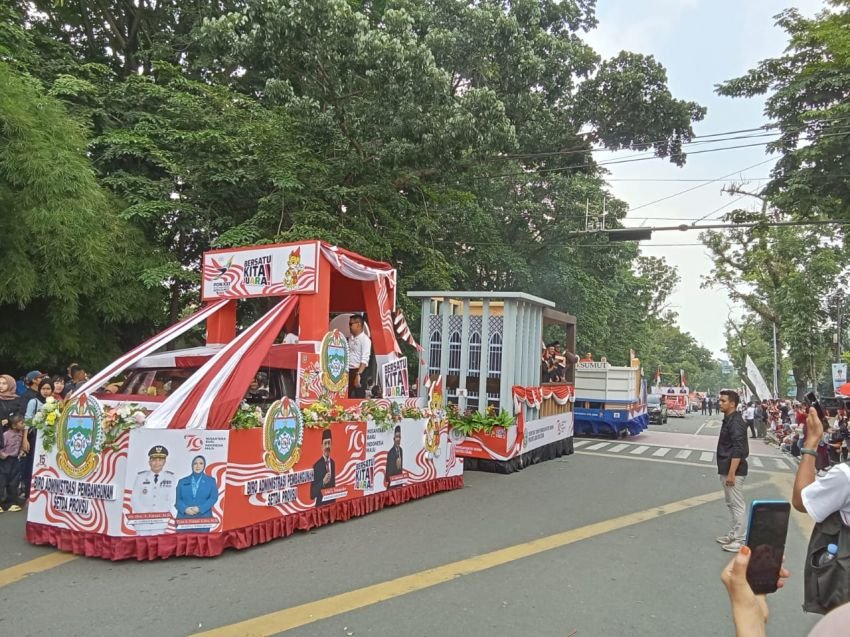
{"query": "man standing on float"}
{"type": "Point", "coordinates": [359, 351]}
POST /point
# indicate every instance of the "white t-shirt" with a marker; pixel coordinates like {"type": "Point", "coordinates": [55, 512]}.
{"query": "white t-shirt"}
{"type": "Point", "coordinates": [359, 350]}
{"type": "Point", "coordinates": [829, 494]}
{"type": "Point", "coordinates": [750, 414]}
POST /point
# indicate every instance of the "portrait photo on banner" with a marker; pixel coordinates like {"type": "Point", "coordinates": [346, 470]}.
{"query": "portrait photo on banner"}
{"type": "Point", "coordinates": [175, 482]}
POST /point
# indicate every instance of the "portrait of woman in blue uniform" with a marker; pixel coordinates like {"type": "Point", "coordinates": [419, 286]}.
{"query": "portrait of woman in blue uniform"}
{"type": "Point", "coordinates": [197, 493]}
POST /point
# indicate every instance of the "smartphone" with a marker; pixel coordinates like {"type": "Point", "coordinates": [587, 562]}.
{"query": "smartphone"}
{"type": "Point", "coordinates": [766, 538]}
{"type": "Point", "coordinates": [812, 399]}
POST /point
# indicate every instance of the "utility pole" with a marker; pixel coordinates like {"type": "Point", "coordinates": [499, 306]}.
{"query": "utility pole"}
{"type": "Point", "coordinates": [775, 365]}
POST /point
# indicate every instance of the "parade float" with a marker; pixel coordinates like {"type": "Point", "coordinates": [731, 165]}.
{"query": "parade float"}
{"type": "Point", "coordinates": [486, 349]}
{"type": "Point", "coordinates": [610, 401]}
{"type": "Point", "coordinates": [677, 399]}
{"type": "Point", "coordinates": [178, 463]}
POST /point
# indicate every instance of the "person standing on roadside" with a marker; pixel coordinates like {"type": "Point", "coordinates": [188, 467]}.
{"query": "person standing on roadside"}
{"type": "Point", "coordinates": [704, 405]}
{"type": "Point", "coordinates": [732, 452]}
{"type": "Point", "coordinates": [750, 418]}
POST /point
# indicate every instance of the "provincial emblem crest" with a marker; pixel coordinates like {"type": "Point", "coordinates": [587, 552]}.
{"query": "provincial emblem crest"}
{"type": "Point", "coordinates": [283, 433]}
{"type": "Point", "coordinates": [78, 433]}
{"type": "Point", "coordinates": [334, 362]}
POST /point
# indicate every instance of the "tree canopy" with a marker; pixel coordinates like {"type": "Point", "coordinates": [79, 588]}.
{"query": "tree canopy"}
{"type": "Point", "coordinates": [795, 277]}
{"type": "Point", "coordinates": [454, 139]}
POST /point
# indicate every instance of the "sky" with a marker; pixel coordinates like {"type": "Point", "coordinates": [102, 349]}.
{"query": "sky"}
{"type": "Point", "coordinates": [701, 43]}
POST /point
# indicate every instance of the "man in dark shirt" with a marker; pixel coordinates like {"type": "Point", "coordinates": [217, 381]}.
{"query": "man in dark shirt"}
{"type": "Point", "coordinates": [732, 452]}
{"type": "Point", "coordinates": [324, 470]}
{"type": "Point", "coordinates": [395, 458]}
{"type": "Point", "coordinates": [32, 381]}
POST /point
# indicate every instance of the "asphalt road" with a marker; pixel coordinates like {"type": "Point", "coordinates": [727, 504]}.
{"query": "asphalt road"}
{"type": "Point", "coordinates": [692, 424]}
{"type": "Point", "coordinates": [596, 543]}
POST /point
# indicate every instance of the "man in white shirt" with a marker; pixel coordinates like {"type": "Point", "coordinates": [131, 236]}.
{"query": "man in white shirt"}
{"type": "Point", "coordinates": [750, 419]}
{"type": "Point", "coordinates": [359, 351]}
{"type": "Point", "coordinates": [820, 497]}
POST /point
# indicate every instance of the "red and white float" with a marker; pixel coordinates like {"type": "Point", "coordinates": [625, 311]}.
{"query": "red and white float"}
{"type": "Point", "coordinates": [185, 482]}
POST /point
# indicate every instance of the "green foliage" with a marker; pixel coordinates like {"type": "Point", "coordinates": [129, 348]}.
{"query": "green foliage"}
{"type": "Point", "coordinates": [69, 286]}
{"type": "Point", "coordinates": [247, 417]}
{"type": "Point", "coordinates": [474, 421]}
{"type": "Point", "coordinates": [790, 277]}
{"type": "Point", "coordinates": [781, 280]}
{"type": "Point", "coordinates": [806, 91]}
{"type": "Point", "coordinates": [451, 138]}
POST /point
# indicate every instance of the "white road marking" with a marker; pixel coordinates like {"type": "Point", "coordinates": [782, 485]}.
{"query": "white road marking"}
{"type": "Point", "coordinates": [757, 461]}
{"type": "Point", "coordinates": [700, 465]}
{"type": "Point", "coordinates": [598, 446]}
{"type": "Point", "coordinates": [684, 453]}
{"type": "Point", "coordinates": [706, 456]}
{"type": "Point", "coordinates": [618, 448]}
{"type": "Point", "coordinates": [661, 452]}
{"type": "Point", "coordinates": [638, 450]}
{"type": "Point", "coordinates": [780, 463]}
{"type": "Point", "coordinates": [581, 443]}
{"type": "Point", "coordinates": [701, 428]}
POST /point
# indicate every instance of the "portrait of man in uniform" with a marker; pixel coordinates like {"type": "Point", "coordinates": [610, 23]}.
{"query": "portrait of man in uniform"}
{"type": "Point", "coordinates": [324, 470]}
{"type": "Point", "coordinates": [154, 492]}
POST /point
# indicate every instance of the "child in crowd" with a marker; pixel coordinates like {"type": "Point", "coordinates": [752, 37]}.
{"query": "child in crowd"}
{"type": "Point", "coordinates": [10, 464]}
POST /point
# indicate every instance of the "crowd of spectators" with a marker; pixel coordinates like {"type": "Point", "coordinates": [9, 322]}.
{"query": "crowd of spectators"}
{"type": "Point", "coordinates": [19, 401]}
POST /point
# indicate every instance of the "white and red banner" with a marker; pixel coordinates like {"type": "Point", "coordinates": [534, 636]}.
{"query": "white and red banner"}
{"type": "Point", "coordinates": [167, 481]}
{"type": "Point", "coordinates": [241, 273]}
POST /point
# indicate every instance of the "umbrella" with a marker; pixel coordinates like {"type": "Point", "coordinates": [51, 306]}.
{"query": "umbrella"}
{"type": "Point", "coordinates": [844, 389]}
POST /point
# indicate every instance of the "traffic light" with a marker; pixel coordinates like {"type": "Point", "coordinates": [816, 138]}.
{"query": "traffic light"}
{"type": "Point", "coordinates": [629, 234]}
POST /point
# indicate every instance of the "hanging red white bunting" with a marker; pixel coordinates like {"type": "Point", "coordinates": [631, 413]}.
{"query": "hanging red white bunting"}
{"type": "Point", "coordinates": [534, 396]}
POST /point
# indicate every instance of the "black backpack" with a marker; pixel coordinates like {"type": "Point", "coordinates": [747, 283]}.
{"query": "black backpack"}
{"type": "Point", "coordinates": [828, 586]}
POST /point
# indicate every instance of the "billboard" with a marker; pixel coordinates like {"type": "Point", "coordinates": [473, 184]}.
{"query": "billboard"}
{"type": "Point", "coordinates": [839, 375]}
{"type": "Point", "coordinates": [274, 270]}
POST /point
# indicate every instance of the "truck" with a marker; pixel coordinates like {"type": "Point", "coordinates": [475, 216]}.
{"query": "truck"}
{"type": "Point", "coordinates": [610, 401]}
{"type": "Point", "coordinates": [677, 399]}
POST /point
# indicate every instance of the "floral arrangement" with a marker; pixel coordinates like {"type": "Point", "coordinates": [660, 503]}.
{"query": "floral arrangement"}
{"type": "Point", "coordinates": [473, 421]}
{"type": "Point", "coordinates": [117, 420]}
{"type": "Point", "coordinates": [383, 418]}
{"type": "Point", "coordinates": [415, 413]}
{"type": "Point", "coordinates": [45, 420]}
{"type": "Point", "coordinates": [323, 412]}
{"type": "Point", "coordinates": [247, 417]}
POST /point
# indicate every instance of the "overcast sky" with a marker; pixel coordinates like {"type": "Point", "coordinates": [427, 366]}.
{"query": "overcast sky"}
{"type": "Point", "coordinates": [701, 43]}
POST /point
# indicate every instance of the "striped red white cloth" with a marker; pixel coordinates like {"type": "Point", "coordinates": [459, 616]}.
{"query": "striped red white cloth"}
{"type": "Point", "coordinates": [149, 346]}
{"type": "Point", "coordinates": [212, 395]}
{"type": "Point", "coordinates": [403, 331]}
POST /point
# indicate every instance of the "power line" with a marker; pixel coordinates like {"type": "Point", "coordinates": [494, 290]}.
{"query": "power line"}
{"type": "Point", "coordinates": [726, 205]}
{"type": "Point", "coordinates": [637, 158]}
{"type": "Point", "coordinates": [696, 139]}
{"type": "Point", "coordinates": [639, 147]}
{"type": "Point", "coordinates": [613, 232]}
{"type": "Point", "coordinates": [678, 179]}
{"type": "Point", "coordinates": [692, 188]}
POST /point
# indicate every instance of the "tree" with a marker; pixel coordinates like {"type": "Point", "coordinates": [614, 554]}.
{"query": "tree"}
{"type": "Point", "coordinates": [71, 282]}
{"type": "Point", "coordinates": [752, 336]}
{"type": "Point", "coordinates": [807, 102]}
{"type": "Point", "coordinates": [451, 138]}
{"type": "Point", "coordinates": [781, 280]}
